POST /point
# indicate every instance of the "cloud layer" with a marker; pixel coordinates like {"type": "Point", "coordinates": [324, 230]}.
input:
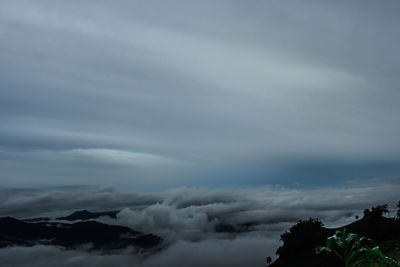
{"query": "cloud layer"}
{"type": "Point", "coordinates": [263, 93]}
{"type": "Point", "coordinates": [294, 103]}
{"type": "Point", "coordinates": [201, 227]}
{"type": "Point", "coordinates": [201, 254]}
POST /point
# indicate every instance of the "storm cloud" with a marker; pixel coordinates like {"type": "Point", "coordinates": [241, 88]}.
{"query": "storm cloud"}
{"type": "Point", "coordinates": [154, 95]}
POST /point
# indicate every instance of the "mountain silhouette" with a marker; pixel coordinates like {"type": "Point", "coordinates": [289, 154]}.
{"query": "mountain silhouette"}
{"type": "Point", "coordinates": [101, 236]}
{"type": "Point", "coordinates": [87, 215]}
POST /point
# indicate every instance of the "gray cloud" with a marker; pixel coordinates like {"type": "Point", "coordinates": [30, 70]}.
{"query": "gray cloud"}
{"type": "Point", "coordinates": [187, 218]}
{"type": "Point", "coordinates": [148, 96]}
{"type": "Point", "coordinates": [213, 253]}
{"type": "Point", "coordinates": [186, 203]}
{"type": "Point", "coordinates": [45, 255]}
{"type": "Point", "coordinates": [264, 86]}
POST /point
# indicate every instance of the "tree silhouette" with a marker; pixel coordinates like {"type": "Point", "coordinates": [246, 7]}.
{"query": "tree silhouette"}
{"type": "Point", "coordinates": [305, 234]}
{"type": "Point", "coordinates": [269, 260]}
{"type": "Point", "coordinates": [376, 212]}
{"type": "Point", "coordinates": [398, 211]}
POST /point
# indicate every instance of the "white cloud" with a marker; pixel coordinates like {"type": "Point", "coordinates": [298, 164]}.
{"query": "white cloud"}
{"type": "Point", "coordinates": [222, 253]}
{"type": "Point", "coordinates": [118, 156]}
{"type": "Point", "coordinates": [187, 218]}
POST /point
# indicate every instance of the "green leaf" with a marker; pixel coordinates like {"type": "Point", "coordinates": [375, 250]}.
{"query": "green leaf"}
{"type": "Point", "coordinates": [352, 256]}
{"type": "Point", "coordinates": [350, 237]}
{"type": "Point", "coordinates": [329, 242]}
{"type": "Point", "coordinates": [319, 250]}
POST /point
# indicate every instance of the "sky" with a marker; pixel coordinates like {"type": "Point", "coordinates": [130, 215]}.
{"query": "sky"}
{"type": "Point", "coordinates": [187, 114]}
{"type": "Point", "coordinates": [154, 95]}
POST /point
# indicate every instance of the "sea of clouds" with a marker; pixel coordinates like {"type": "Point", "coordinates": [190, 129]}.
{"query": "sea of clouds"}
{"type": "Point", "coordinates": [188, 220]}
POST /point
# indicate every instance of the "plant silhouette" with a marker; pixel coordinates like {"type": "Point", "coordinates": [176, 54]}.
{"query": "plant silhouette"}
{"type": "Point", "coordinates": [398, 211]}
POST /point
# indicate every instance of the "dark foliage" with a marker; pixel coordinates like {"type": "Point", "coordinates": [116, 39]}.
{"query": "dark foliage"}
{"type": "Point", "coordinates": [398, 211]}
{"type": "Point", "coordinates": [376, 213]}
{"type": "Point", "coordinates": [304, 234]}
{"type": "Point", "coordinates": [299, 242]}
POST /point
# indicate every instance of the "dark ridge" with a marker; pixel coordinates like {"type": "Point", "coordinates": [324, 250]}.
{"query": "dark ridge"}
{"type": "Point", "coordinates": [105, 237]}
{"type": "Point", "coordinates": [87, 215]}
{"type": "Point", "coordinates": [38, 219]}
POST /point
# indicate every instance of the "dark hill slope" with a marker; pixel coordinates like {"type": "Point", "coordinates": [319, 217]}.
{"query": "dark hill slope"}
{"type": "Point", "coordinates": [300, 242]}
{"type": "Point", "coordinates": [80, 215]}
{"type": "Point", "coordinates": [101, 236]}
{"type": "Point", "coordinates": [87, 215]}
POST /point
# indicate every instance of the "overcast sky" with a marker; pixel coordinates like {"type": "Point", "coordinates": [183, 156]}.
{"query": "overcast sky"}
{"type": "Point", "coordinates": [151, 95]}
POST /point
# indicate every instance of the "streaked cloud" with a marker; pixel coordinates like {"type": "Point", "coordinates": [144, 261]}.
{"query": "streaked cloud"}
{"type": "Point", "coordinates": [257, 92]}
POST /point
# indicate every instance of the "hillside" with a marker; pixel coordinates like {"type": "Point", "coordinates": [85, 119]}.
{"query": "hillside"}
{"type": "Point", "coordinates": [101, 236]}
{"type": "Point", "coordinates": [300, 241]}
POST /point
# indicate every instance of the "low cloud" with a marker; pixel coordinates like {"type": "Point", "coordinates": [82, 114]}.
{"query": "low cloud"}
{"type": "Point", "coordinates": [233, 253]}
{"type": "Point", "coordinates": [201, 227]}
{"type": "Point", "coordinates": [39, 256]}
